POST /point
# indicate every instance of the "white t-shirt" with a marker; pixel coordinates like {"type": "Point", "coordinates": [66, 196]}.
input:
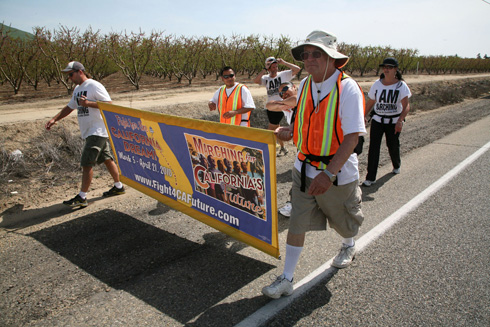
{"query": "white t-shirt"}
{"type": "Point", "coordinates": [247, 99]}
{"type": "Point", "coordinates": [388, 99]}
{"type": "Point", "coordinates": [272, 84]}
{"type": "Point", "coordinates": [351, 115]}
{"type": "Point", "coordinates": [90, 119]}
{"type": "Point", "coordinates": [288, 114]}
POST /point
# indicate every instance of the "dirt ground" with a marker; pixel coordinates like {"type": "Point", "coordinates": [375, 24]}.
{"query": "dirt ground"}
{"type": "Point", "coordinates": [157, 96]}
{"type": "Point", "coordinates": [23, 116]}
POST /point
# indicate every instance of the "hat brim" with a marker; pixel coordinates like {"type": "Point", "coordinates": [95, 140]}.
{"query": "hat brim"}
{"type": "Point", "coordinates": [272, 63]}
{"type": "Point", "coordinates": [340, 59]}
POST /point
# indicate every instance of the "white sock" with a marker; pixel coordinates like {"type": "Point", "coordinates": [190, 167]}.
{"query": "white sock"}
{"type": "Point", "coordinates": [83, 195]}
{"type": "Point", "coordinates": [292, 257]}
{"type": "Point", "coordinates": [348, 241]}
{"type": "Point", "coordinates": [118, 185]}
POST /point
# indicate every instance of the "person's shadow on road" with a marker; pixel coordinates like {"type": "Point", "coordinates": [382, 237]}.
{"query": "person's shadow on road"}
{"type": "Point", "coordinates": [368, 191]}
{"type": "Point", "coordinates": [16, 217]}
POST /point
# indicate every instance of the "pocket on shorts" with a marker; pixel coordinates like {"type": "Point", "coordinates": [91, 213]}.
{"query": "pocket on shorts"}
{"type": "Point", "coordinates": [353, 205]}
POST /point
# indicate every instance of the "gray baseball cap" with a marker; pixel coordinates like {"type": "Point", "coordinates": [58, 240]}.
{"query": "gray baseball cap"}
{"type": "Point", "coordinates": [73, 65]}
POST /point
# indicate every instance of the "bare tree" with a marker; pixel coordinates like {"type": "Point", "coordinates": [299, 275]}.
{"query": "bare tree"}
{"type": "Point", "coordinates": [160, 65]}
{"type": "Point", "coordinates": [186, 56]}
{"type": "Point", "coordinates": [94, 53]}
{"type": "Point", "coordinates": [60, 48]}
{"type": "Point", "coordinates": [15, 58]}
{"type": "Point", "coordinates": [132, 53]}
{"type": "Point", "coordinates": [407, 59]}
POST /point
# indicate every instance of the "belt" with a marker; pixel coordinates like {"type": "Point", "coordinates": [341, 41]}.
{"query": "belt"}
{"type": "Point", "coordinates": [325, 159]}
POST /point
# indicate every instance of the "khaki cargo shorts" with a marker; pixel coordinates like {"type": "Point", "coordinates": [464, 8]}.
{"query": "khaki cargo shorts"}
{"type": "Point", "coordinates": [340, 206]}
{"type": "Point", "coordinates": [95, 151]}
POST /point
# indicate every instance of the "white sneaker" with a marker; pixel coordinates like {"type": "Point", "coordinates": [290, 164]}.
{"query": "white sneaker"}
{"type": "Point", "coordinates": [345, 256]}
{"type": "Point", "coordinates": [368, 183]}
{"type": "Point", "coordinates": [396, 171]}
{"type": "Point", "coordinates": [281, 286]}
{"type": "Point", "coordinates": [286, 210]}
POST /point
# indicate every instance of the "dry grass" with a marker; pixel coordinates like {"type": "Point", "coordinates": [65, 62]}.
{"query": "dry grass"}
{"type": "Point", "coordinates": [47, 160]}
{"type": "Point", "coordinates": [428, 96]}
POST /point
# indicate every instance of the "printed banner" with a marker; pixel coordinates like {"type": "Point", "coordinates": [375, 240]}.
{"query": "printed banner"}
{"type": "Point", "coordinates": [221, 175]}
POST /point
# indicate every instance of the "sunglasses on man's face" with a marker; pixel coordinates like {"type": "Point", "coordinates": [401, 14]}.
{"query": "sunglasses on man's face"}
{"type": "Point", "coordinates": [228, 76]}
{"type": "Point", "coordinates": [71, 74]}
{"type": "Point", "coordinates": [315, 54]}
{"type": "Point", "coordinates": [284, 90]}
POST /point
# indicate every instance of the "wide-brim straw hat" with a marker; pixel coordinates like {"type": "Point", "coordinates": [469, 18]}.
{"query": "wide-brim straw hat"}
{"type": "Point", "coordinates": [325, 41]}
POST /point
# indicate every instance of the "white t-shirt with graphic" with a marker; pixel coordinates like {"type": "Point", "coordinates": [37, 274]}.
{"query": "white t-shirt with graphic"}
{"type": "Point", "coordinates": [90, 119]}
{"type": "Point", "coordinates": [351, 115]}
{"type": "Point", "coordinates": [388, 99]}
{"type": "Point", "coordinates": [272, 84]}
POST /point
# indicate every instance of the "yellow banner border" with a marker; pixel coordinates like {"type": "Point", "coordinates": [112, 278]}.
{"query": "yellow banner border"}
{"type": "Point", "coordinates": [258, 135]}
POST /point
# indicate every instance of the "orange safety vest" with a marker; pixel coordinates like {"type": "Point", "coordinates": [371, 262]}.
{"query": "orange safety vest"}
{"type": "Point", "coordinates": [318, 135]}
{"type": "Point", "coordinates": [232, 102]}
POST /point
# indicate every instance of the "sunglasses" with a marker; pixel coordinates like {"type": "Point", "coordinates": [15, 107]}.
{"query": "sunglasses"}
{"type": "Point", "coordinates": [228, 76]}
{"type": "Point", "coordinates": [315, 54]}
{"type": "Point", "coordinates": [71, 74]}
{"type": "Point", "coordinates": [284, 90]}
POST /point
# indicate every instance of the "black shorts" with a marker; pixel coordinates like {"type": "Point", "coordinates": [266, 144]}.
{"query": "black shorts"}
{"type": "Point", "coordinates": [275, 117]}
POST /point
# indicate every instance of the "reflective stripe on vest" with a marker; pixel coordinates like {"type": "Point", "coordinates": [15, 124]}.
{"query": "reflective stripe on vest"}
{"type": "Point", "coordinates": [232, 102]}
{"type": "Point", "coordinates": [320, 133]}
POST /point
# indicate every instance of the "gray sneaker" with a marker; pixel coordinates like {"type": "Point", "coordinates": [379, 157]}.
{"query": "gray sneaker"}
{"type": "Point", "coordinates": [286, 210]}
{"type": "Point", "coordinates": [281, 286]}
{"type": "Point", "coordinates": [345, 256]}
{"type": "Point", "coordinates": [368, 183]}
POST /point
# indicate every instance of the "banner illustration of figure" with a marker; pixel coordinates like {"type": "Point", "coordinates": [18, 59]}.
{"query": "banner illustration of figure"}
{"type": "Point", "coordinates": [243, 187]}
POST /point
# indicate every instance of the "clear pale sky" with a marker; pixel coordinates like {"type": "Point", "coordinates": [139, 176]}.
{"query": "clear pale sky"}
{"type": "Point", "coordinates": [434, 27]}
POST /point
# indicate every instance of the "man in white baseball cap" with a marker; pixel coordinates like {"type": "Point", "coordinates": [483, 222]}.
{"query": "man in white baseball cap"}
{"type": "Point", "coordinates": [329, 120]}
{"type": "Point", "coordinates": [271, 78]}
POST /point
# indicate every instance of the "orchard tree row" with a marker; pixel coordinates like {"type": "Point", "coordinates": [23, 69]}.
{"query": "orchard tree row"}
{"type": "Point", "coordinates": [183, 58]}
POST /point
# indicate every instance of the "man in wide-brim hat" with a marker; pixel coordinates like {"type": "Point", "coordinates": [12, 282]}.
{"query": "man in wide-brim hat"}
{"type": "Point", "coordinates": [329, 120]}
{"type": "Point", "coordinates": [324, 41]}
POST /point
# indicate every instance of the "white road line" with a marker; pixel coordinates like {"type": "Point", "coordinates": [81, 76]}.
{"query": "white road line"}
{"type": "Point", "coordinates": [269, 310]}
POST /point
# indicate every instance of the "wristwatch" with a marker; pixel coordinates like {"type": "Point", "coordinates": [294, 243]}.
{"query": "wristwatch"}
{"type": "Point", "coordinates": [331, 176]}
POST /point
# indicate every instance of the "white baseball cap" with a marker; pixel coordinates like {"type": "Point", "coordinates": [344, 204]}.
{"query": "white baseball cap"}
{"type": "Point", "coordinates": [269, 61]}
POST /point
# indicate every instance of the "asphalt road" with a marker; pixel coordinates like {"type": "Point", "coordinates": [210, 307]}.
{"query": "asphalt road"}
{"type": "Point", "coordinates": [128, 261]}
{"type": "Point", "coordinates": [432, 267]}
